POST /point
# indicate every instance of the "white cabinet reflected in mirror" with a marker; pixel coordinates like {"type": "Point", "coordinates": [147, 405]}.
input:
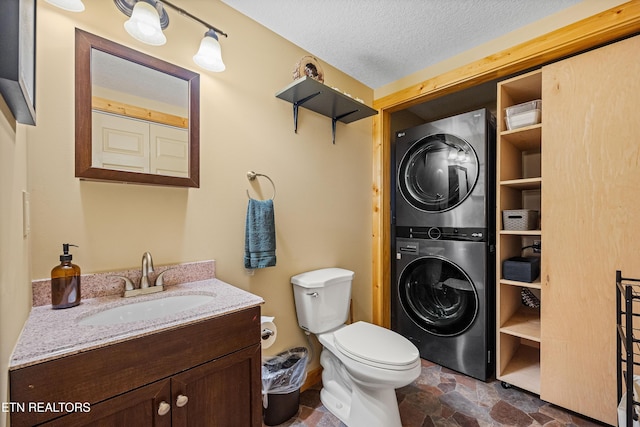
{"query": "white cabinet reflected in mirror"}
{"type": "Point", "coordinates": [137, 117]}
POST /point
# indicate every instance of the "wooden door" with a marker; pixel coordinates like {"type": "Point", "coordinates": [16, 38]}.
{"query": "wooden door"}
{"type": "Point", "coordinates": [590, 220]}
{"type": "Point", "coordinates": [135, 408]}
{"type": "Point", "coordinates": [225, 392]}
{"type": "Point", "coordinates": [119, 143]}
{"type": "Point", "coordinates": [168, 150]}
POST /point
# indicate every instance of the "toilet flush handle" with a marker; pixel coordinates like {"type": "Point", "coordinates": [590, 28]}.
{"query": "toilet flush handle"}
{"type": "Point", "coordinates": [313, 294]}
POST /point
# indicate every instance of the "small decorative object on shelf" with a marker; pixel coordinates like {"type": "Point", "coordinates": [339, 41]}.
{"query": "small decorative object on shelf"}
{"type": "Point", "coordinates": [310, 67]}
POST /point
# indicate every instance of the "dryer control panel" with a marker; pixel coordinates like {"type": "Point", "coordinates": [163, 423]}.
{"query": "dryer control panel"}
{"type": "Point", "coordinates": [466, 234]}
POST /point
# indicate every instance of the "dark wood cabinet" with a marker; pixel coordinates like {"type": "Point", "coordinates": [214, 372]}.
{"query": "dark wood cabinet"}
{"type": "Point", "coordinates": [218, 392]}
{"type": "Point", "coordinates": [204, 374]}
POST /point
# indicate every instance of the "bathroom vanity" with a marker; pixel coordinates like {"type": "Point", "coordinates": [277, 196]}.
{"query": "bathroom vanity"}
{"type": "Point", "coordinates": [203, 369]}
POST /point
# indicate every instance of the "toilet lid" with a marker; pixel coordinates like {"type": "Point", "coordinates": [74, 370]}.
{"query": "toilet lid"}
{"type": "Point", "coordinates": [371, 343]}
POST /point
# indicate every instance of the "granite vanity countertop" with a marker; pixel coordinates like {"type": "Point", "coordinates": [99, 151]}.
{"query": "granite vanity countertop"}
{"type": "Point", "coordinates": [50, 334]}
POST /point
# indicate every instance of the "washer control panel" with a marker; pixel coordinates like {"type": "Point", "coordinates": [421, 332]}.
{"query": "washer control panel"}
{"type": "Point", "coordinates": [468, 234]}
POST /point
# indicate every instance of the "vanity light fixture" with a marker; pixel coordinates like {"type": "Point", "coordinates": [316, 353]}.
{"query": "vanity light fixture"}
{"type": "Point", "coordinates": [209, 55]}
{"type": "Point", "coordinates": [148, 18]}
{"type": "Point", "coordinates": [144, 23]}
{"type": "Point", "coordinates": [70, 5]}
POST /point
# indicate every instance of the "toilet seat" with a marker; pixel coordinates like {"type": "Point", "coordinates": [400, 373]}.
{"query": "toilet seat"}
{"type": "Point", "coordinates": [376, 346]}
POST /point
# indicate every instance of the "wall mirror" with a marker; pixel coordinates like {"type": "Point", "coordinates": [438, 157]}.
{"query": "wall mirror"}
{"type": "Point", "coordinates": [137, 117]}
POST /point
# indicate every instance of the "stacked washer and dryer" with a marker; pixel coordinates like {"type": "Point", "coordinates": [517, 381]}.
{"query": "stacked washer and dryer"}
{"type": "Point", "coordinates": [443, 229]}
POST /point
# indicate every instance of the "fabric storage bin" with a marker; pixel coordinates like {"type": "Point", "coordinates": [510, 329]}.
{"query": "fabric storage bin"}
{"type": "Point", "coordinates": [521, 269]}
{"type": "Point", "coordinates": [519, 219]}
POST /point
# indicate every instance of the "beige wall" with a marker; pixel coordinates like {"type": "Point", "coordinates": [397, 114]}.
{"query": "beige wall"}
{"type": "Point", "coordinates": [575, 13]}
{"type": "Point", "coordinates": [15, 286]}
{"type": "Point", "coordinates": [323, 203]}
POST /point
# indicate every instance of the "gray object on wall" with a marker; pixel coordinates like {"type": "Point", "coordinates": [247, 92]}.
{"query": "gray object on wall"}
{"type": "Point", "coordinates": [17, 50]}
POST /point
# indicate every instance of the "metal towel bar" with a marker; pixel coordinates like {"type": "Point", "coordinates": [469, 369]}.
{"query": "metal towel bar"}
{"type": "Point", "coordinates": [251, 176]}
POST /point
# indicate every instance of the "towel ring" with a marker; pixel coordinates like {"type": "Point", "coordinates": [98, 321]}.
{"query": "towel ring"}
{"type": "Point", "coordinates": [251, 176]}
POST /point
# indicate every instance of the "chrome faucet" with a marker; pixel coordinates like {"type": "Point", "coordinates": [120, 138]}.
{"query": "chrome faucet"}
{"type": "Point", "coordinates": [147, 267]}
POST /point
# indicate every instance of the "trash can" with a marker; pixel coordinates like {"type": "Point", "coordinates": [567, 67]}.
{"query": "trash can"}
{"type": "Point", "coordinates": [282, 377]}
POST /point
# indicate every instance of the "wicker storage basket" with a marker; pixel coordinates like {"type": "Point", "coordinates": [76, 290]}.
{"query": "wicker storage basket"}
{"type": "Point", "coordinates": [520, 219]}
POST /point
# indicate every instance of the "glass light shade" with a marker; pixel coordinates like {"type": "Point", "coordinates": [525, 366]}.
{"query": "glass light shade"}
{"type": "Point", "coordinates": [144, 24]}
{"type": "Point", "coordinates": [209, 55]}
{"type": "Point", "coordinates": [70, 5]}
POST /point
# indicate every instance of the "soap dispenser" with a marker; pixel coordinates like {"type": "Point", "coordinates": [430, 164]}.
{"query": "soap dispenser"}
{"type": "Point", "coordinates": [65, 281]}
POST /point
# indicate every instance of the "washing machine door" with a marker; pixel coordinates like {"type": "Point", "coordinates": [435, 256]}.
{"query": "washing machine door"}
{"type": "Point", "coordinates": [438, 172]}
{"type": "Point", "coordinates": [438, 296]}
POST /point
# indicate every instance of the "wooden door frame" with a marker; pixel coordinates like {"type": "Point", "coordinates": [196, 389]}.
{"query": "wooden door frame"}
{"type": "Point", "coordinates": [613, 24]}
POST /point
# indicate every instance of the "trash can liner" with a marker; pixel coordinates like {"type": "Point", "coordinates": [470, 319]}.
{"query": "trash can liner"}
{"type": "Point", "coordinates": [284, 373]}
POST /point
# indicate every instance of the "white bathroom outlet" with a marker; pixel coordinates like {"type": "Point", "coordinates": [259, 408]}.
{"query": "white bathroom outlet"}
{"type": "Point", "coordinates": [26, 213]}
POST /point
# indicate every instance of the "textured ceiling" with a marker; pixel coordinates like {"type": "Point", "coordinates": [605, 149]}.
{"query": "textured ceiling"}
{"type": "Point", "coordinates": [380, 41]}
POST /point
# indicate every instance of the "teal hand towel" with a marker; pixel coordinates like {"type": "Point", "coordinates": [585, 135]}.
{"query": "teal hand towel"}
{"type": "Point", "coordinates": [260, 235]}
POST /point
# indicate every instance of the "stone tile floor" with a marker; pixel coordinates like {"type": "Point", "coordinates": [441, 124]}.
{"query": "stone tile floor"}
{"type": "Point", "coordinates": [443, 398]}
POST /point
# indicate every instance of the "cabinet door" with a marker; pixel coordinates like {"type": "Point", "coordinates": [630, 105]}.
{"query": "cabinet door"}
{"type": "Point", "coordinates": [225, 392]}
{"type": "Point", "coordinates": [590, 220]}
{"type": "Point", "coordinates": [135, 408]}
{"type": "Point", "coordinates": [119, 143]}
{"type": "Point", "coordinates": [169, 150]}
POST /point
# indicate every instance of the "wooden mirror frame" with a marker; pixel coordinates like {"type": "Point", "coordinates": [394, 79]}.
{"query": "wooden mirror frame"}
{"type": "Point", "coordinates": [85, 42]}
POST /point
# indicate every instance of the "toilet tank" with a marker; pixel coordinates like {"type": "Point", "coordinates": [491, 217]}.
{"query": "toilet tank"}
{"type": "Point", "coordinates": [322, 298]}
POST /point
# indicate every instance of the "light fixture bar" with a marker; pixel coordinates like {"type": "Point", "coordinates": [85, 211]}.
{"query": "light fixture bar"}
{"type": "Point", "coordinates": [195, 18]}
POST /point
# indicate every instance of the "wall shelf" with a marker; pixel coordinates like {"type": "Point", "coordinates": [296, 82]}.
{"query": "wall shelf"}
{"type": "Point", "coordinates": [320, 98]}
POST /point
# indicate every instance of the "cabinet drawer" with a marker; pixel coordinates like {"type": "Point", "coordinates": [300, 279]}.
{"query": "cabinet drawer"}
{"type": "Point", "coordinates": [98, 374]}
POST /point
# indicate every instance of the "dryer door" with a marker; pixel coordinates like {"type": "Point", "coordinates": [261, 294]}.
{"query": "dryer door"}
{"type": "Point", "coordinates": [438, 172]}
{"type": "Point", "coordinates": [438, 296]}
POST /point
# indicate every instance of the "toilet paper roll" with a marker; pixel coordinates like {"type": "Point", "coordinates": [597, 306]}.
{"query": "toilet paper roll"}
{"type": "Point", "coordinates": [269, 331]}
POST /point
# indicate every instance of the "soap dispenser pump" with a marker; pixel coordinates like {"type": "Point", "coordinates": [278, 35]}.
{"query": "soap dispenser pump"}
{"type": "Point", "coordinates": [65, 281]}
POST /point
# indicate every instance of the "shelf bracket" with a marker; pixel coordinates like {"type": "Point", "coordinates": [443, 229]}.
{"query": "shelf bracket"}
{"type": "Point", "coordinates": [295, 109]}
{"type": "Point", "coordinates": [334, 120]}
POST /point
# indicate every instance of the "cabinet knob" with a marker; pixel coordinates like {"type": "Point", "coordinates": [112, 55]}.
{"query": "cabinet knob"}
{"type": "Point", "coordinates": [181, 400]}
{"type": "Point", "coordinates": [163, 408]}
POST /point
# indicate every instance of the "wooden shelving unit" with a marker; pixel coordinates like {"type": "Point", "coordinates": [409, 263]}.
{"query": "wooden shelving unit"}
{"type": "Point", "coordinates": [519, 187]}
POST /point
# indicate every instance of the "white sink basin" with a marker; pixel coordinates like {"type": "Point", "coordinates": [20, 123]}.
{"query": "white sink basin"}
{"type": "Point", "coordinates": [146, 310]}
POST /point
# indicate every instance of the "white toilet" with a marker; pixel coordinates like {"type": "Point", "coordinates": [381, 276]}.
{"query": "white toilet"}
{"type": "Point", "coordinates": [362, 363]}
